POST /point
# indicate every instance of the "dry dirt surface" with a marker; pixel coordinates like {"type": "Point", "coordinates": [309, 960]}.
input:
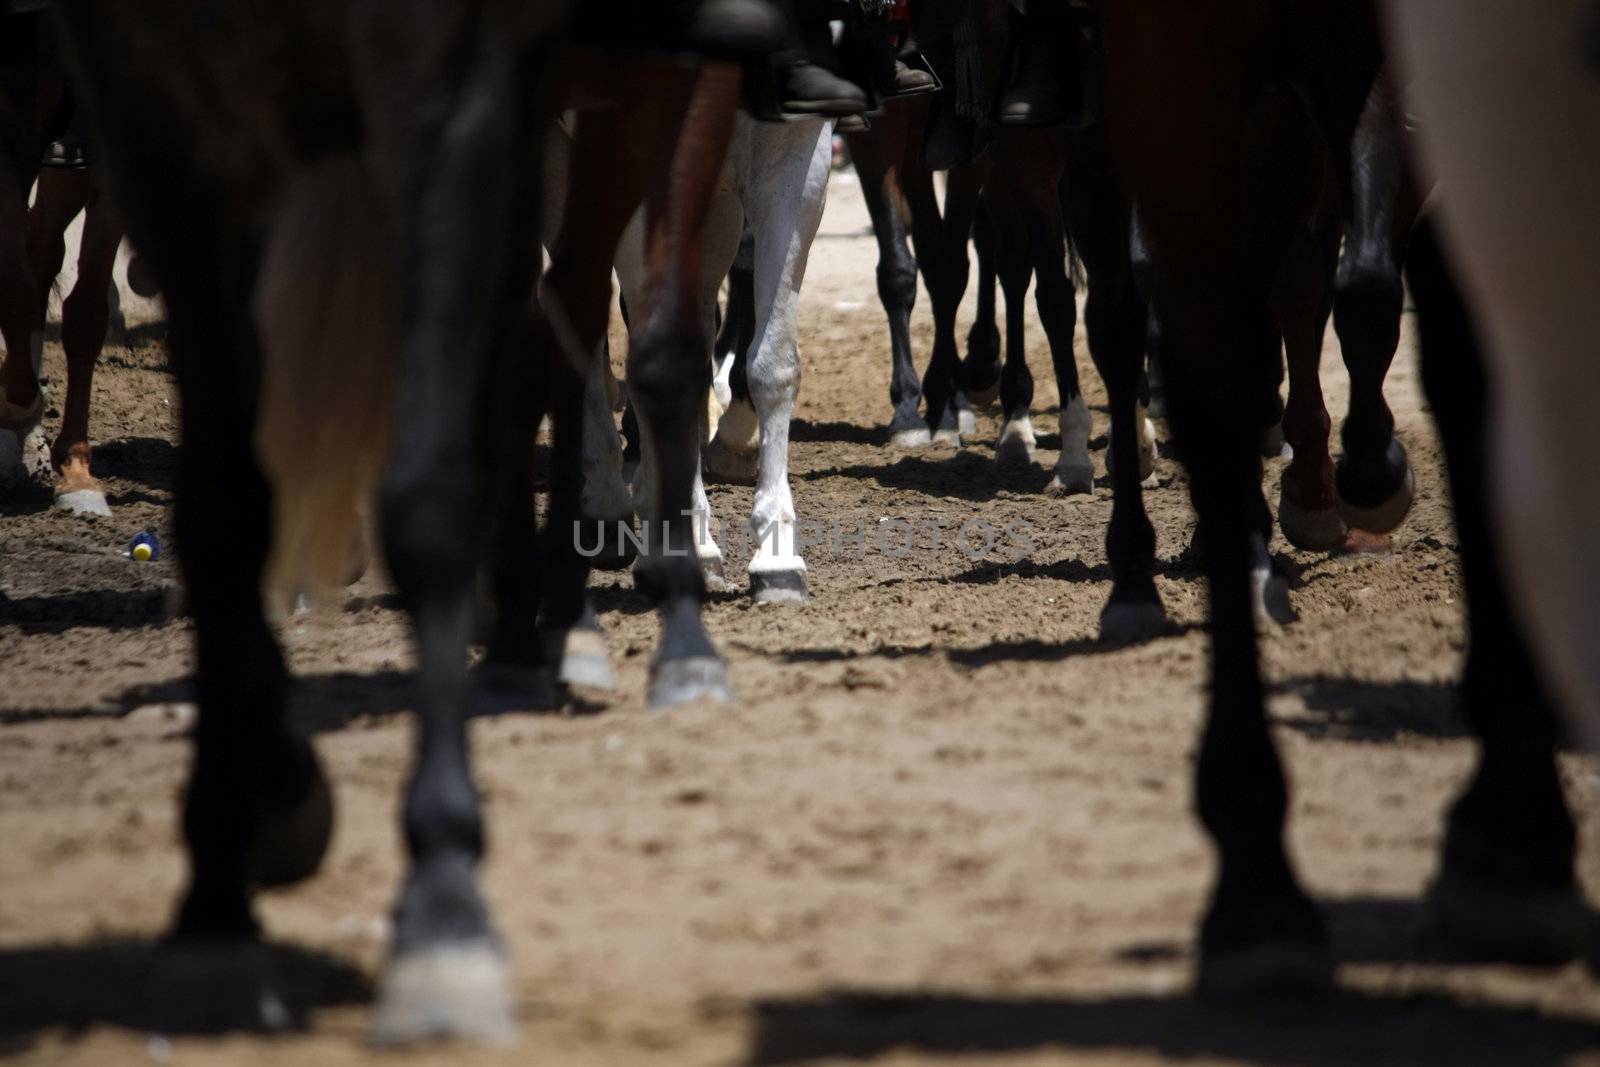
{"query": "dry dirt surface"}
{"type": "Point", "coordinates": [940, 824]}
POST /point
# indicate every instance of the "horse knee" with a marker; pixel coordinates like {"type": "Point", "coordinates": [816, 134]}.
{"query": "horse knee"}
{"type": "Point", "coordinates": [897, 285]}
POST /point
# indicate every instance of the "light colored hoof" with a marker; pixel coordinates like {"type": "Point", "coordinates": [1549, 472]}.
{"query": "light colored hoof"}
{"type": "Point", "coordinates": [1269, 596]}
{"type": "Point", "coordinates": [775, 586]}
{"type": "Point", "coordinates": [90, 502]}
{"type": "Point", "coordinates": [1313, 529]}
{"type": "Point", "coordinates": [729, 465]}
{"type": "Point", "coordinates": [918, 438]}
{"type": "Point", "coordinates": [1289, 970]}
{"type": "Point", "coordinates": [1017, 445]}
{"type": "Point", "coordinates": [585, 661]}
{"type": "Point", "coordinates": [1126, 623]}
{"type": "Point", "coordinates": [683, 681]}
{"type": "Point", "coordinates": [716, 576]}
{"type": "Point", "coordinates": [1273, 445]}
{"type": "Point", "coordinates": [947, 437]}
{"type": "Point", "coordinates": [457, 990]}
{"type": "Point", "coordinates": [1385, 516]}
{"type": "Point", "coordinates": [966, 422]}
{"type": "Point", "coordinates": [1071, 479]}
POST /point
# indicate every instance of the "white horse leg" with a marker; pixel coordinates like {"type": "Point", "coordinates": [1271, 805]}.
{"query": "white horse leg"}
{"type": "Point", "coordinates": [784, 200]}
{"type": "Point", "coordinates": [1511, 124]}
{"type": "Point", "coordinates": [1074, 469]}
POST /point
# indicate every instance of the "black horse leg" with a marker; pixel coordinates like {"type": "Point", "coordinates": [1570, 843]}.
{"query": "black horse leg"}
{"type": "Point", "coordinates": [1099, 219]}
{"type": "Point", "coordinates": [941, 249]}
{"type": "Point", "coordinates": [1014, 266]}
{"type": "Point", "coordinates": [1505, 888]}
{"type": "Point", "coordinates": [1374, 476]}
{"type": "Point", "coordinates": [982, 364]}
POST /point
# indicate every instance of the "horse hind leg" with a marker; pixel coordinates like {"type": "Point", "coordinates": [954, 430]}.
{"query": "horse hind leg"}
{"type": "Point", "coordinates": [731, 455]}
{"type": "Point", "coordinates": [1014, 267]}
{"type": "Point", "coordinates": [982, 364]}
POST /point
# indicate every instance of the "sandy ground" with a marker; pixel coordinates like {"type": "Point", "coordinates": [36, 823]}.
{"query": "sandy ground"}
{"type": "Point", "coordinates": [941, 824]}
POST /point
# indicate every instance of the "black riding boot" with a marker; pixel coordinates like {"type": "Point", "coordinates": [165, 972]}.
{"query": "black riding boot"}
{"type": "Point", "coordinates": [806, 84]}
{"type": "Point", "coordinates": [1037, 93]}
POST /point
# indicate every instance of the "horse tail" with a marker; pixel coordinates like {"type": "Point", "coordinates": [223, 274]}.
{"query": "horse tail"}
{"type": "Point", "coordinates": [324, 308]}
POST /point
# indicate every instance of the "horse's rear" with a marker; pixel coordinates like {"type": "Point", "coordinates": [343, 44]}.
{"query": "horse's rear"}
{"type": "Point", "coordinates": [290, 170]}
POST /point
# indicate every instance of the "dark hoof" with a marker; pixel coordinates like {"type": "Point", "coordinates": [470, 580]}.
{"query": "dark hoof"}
{"type": "Point", "coordinates": [682, 681]}
{"type": "Point", "coordinates": [1379, 515]}
{"type": "Point", "coordinates": [1072, 480]}
{"type": "Point", "coordinates": [1269, 596]}
{"type": "Point", "coordinates": [205, 985]}
{"type": "Point", "coordinates": [1128, 621]}
{"type": "Point", "coordinates": [613, 549]}
{"type": "Point", "coordinates": [1477, 919]}
{"type": "Point", "coordinates": [499, 688]}
{"type": "Point", "coordinates": [1273, 445]}
{"type": "Point", "coordinates": [453, 990]}
{"type": "Point", "coordinates": [290, 840]}
{"type": "Point", "coordinates": [1312, 529]}
{"type": "Point", "coordinates": [779, 587]}
{"type": "Point", "coordinates": [1281, 970]}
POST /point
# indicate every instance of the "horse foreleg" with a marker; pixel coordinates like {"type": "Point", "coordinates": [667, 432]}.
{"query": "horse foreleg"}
{"type": "Point", "coordinates": [668, 380]}
{"type": "Point", "coordinates": [1013, 265]}
{"type": "Point", "coordinates": [21, 324]}
{"type": "Point", "coordinates": [982, 363]}
{"type": "Point", "coordinates": [85, 315]}
{"type": "Point", "coordinates": [785, 198]}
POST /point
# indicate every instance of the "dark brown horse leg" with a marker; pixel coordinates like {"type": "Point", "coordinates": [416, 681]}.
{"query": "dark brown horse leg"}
{"type": "Point", "coordinates": [1374, 476]}
{"type": "Point", "coordinates": [1008, 223]}
{"type": "Point", "coordinates": [940, 241]}
{"type": "Point", "coordinates": [981, 366]}
{"type": "Point", "coordinates": [21, 402]}
{"type": "Point", "coordinates": [1304, 299]}
{"type": "Point", "coordinates": [877, 155]}
{"type": "Point", "coordinates": [1505, 888]}
{"type": "Point", "coordinates": [668, 377]}
{"type": "Point", "coordinates": [1114, 313]}
{"type": "Point", "coordinates": [1177, 94]}
{"type": "Point", "coordinates": [85, 315]}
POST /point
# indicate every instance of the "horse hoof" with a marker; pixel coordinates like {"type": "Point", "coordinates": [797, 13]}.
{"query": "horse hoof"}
{"type": "Point", "coordinates": [1127, 622]}
{"type": "Point", "coordinates": [1313, 529]}
{"type": "Point", "coordinates": [459, 990]}
{"type": "Point", "coordinates": [1479, 920]}
{"type": "Point", "coordinates": [779, 586]}
{"type": "Point", "coordinates": [1273, 445]}
{"type": "Point", "coordinates": [585, 661]}
{"type": "Point", "coordinates": [213, 985]}
{"type": "Point", "coordinates": [683, 681]}
{"type": "Point", "coordinates": [500, 688]}
{"type": "Point", "coordinates": [1269, 596]}
{"type": "Point", "coordinates": [288, 842]}
{"type": "Point", "coordinates": [1286, 970]}
{"type": "Point", "coordinates": [966, 422]}
{"type": "Point", "coordinates": [728, 465]}
{"type": "Point", "coordinates": [1017, 444]}
{"type": "Point", "coordinates": [1385, 516]}
{"type": "Point", "coordinates": [915, 438]}
{"type": "Point", "coordinates": [1071, 480]}
{"type": "Point", "coordinates": [90, 502]}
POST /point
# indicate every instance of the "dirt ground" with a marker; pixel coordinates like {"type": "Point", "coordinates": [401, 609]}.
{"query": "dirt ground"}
{"type": "Point", "coordinates": [940, 824]}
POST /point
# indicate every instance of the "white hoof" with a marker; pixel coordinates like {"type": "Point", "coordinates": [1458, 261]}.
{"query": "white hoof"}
{"type": "Point", "coordinates": [683, 681]}
{"type": "Point", "coordinates": [585, 661]}
{"type": "Point", "coordinates": [778, 580]}
{"type": "Point", "coordinates": [1017, 443]}
{"type": "Point", "coordinates": [918, 438]}
{"type": "Point", "coordinates": [84, 502]}
{"type": "Point", "coordinates": [459, 990]}
{"type": "Point", "coordinates": [966, 421]}
{"type": "Point", "coordinates": [947, 437]}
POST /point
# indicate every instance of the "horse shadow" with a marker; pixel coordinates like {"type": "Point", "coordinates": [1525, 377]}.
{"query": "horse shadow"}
{"type": "Point", "coordinates": [1346, 1026]}
{"type": "Point", "coordinates": [1353, 709]}
{"type": "Point", "coordinates": [142, 985]}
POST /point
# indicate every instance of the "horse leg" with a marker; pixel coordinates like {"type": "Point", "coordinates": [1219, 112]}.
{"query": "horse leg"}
{"type": "Point", "coordinates": [738, 328]}
{"type": "Point", "coordinates": [1176, 93]}
{"type": "Point", "coordinates": [21, 326]}
{"type": "Point", "coordinates": [785, 193]}
{"type": "Point", "coordinates": [1306, 511]}
{"type": "Point", "coordinates": [1014, 267]}
{"type": "Point", "coordinates": [1505, 888]}
{"type": "Point", "coordinates": [941, 251]}
{"type": "Point", "coordinates": [982, 365]}
{"type": "Point", "coordinates": [85, 315]}
{"type": "Point", "coordinates": [875, 156]}
{"type": "Point", "coordinates": [733, 453]}
{"type": "Point", "coordinates": [667, 379]}
{"type": "Point", "coordinates": [1099, 219]}
{"type": "Point", "coordinates": [1374, 476]}
{"type": "Point", "coordinates": [446, 974]}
